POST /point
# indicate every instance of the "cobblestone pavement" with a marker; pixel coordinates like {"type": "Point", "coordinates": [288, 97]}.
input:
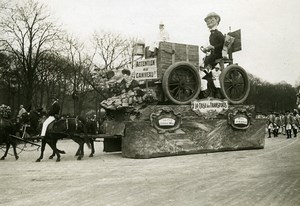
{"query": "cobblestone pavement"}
{"type": "Point", "coordinates": [269, 176]}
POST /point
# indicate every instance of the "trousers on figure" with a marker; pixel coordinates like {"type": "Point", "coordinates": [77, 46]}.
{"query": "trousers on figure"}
{"type": "Point", "coordinates": [45, 125]}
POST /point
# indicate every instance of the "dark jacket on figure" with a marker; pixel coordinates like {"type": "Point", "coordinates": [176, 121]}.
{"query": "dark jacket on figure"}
{"type": "Point", "coordinates": [54, 109]}
{"type": "Point", "coordinates": [216, 39]}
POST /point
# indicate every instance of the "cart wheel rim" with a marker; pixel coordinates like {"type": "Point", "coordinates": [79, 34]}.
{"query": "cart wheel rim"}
{"type": "Point", "coordinates": [181, 83]}
{"type": "Point", "coordinates": [235, 84]}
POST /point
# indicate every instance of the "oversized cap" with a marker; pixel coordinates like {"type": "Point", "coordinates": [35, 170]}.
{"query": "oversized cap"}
{"type": "Point", "coordinates": [213, 14]}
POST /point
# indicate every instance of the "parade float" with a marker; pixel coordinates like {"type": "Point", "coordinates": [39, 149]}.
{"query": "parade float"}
{"type": "Point", "coordinates": [156, 110]}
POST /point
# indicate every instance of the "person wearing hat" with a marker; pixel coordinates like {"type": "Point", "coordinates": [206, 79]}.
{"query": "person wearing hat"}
{"type": "Point", "coordinates": [216, 40]}
{"type": "Point", "coordinates": [52, 115]}
{"type": "Point", "coordinates": [162, 36]}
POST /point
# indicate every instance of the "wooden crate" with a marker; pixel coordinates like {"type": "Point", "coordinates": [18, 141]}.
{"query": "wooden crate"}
{"type": "Point", "coordinates": [170, 53]}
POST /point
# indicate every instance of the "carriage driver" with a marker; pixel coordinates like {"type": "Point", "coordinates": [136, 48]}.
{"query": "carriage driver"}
{"type": "Point", "coordinates": [52, 114]}
{"type": "Point", "coordinates": [216, 40]}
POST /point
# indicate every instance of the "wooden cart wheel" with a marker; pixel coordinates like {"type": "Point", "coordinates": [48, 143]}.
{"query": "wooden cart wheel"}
{"type": "Point", "coordinates": [181, 83]}
{"type": "Point", "coordinates": [235, 84]}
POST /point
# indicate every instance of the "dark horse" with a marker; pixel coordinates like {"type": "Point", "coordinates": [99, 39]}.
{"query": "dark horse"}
{"type": "Point", "coordinates": [91, 129]}
{"type": "Point", "coordinates": [70, 128]}
{"type": "Point", "coordinates": [7, 129]}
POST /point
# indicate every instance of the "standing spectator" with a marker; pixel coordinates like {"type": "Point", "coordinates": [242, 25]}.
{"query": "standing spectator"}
{"type": "Point", "coordinates": [270, 123]}
{"type": "Point", "coordinates": [288, 124]}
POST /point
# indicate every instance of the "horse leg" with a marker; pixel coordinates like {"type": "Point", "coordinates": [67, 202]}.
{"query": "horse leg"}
{"type": "Point", "coordinates": [78, 151]}
{"type": "Point", "coordinates": [14, 145]}
{"type": "Point", "coordinates": [80, 142]}
{"type": "Point", "coordinates": [55, 150]}
{"type": "Point", "coordinates": [92, 147]}
{"type": "Point", "coordinates": [6, 151]}
{"type": "Point", "coordinates": [80, 156]}
{"type": "Point", "coordinates": [59, 151]}
{"type": "Point", "coordinates": [51, 156]}
{"type": "Point", "coordinates": [53, 153]}
{"type": "Point", "coordinates": [42, 150]}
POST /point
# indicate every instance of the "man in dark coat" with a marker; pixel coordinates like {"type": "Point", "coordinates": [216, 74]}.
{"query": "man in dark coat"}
{"type": "Point", "coordinates": [52, 115]}
{"type": "Point", "coordinates": [216, 40]}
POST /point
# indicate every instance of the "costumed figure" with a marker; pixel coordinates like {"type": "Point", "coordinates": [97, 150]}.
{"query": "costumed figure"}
{"type": "Point", "coordinates": [162, 36]}
{"type": "Point", "coordinates": [270, 123]}
{"type": "Point", "coordinates": [213, 51]}
{"type": "Point", "coordinates": [203, 89]}
{"type": "Point", "coordinates": [288, 124]}
{"type": "Point", "coordinates": [216, 40]}
{"type": "Point", "coordinates": [216, 72]}
{"type": "Point", "coordinates": [295, 122]}
{"type": "Point", "coordinates": [277, 124]}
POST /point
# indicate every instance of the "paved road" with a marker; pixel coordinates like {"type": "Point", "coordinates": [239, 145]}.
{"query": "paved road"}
{"type": "Point", "coordinates": [269, 176]}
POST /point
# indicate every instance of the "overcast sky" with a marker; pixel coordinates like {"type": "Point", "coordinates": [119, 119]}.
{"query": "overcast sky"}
{"type": "Point", "coordinates": [270, 28]}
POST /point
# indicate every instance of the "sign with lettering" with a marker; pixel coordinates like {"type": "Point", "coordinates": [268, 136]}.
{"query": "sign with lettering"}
{"type": "Point", "coordinates": [145, 69]}
{"type": "Point", "coordinates": [209, 108]}
{"type": "Point", "coordinates": [165, 120]}
{"type": "Point", "coordinates": [241, 121]}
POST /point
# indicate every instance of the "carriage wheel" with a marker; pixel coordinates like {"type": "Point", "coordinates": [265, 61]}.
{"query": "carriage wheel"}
{"type": "Point", "coordinates": [181, 83]}
{"type": "Point", "coordinates": [235, 84]}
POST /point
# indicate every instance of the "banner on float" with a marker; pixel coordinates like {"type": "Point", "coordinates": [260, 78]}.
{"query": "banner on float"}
{"type": "Point", "coordinates": [209, 108]}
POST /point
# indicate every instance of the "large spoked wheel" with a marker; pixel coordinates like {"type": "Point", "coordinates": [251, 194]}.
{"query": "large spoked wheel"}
{"type": "Point", "coordinates": [181, 83]}
{"type": "Point", "coordinates": [235, 84]}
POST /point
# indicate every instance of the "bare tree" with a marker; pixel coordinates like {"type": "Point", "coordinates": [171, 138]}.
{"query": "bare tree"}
{"type": "Point", "coordinates": [80, 65]}
{"type": "Point", "coordinates": [28, 33]}
{"type": "Point", "coordinates": [112, 50]}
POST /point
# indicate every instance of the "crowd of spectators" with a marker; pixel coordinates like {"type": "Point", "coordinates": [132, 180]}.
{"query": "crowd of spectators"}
{"type": "Point", "coordinates": [287, 124]}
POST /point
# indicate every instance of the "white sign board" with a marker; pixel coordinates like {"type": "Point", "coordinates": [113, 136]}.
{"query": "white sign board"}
{"type": "Point", "coordinates": [166, 122]}
{"type": "Point", "coordinates": [241, 120]}
{"type": "Point", "coordinates": [145, 69]}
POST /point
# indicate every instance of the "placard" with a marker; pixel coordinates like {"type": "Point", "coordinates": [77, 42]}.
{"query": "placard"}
{"type": "Point", "coordinates": [145, 69]}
